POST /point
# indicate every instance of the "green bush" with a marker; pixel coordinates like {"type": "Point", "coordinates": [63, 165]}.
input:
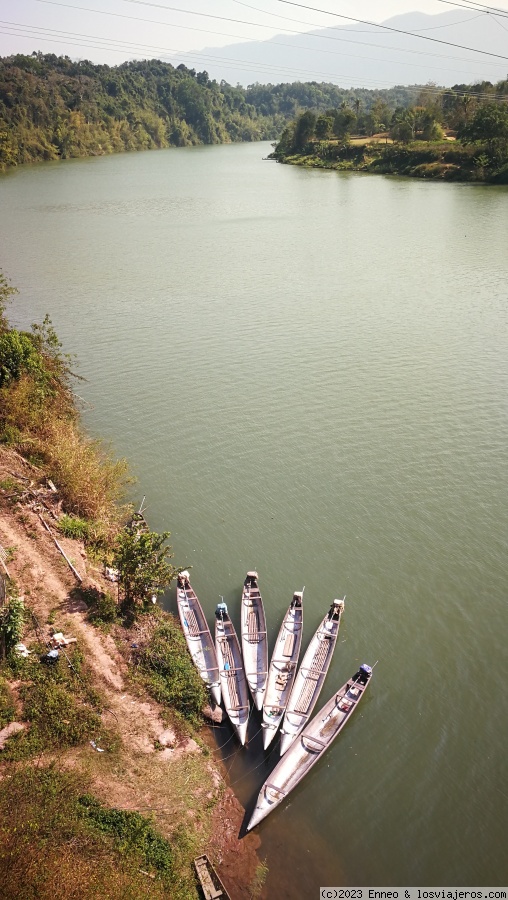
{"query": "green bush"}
{"type": "Point", "coordinates": [57, 841]}
{"type": "Point", "coordinates": [169, 673]}
{"type": "Point", "coordinates": [104, 610]}
{"type": "Point", "coordinates": [74, 527]}
{"type": "Point", "coordinates": [7, 707]}
{"type": "Point", "coordinates": [130, 831]}
{"type": "Point", "coordinates": [60, 705]}
{"type": "Point", "coordinates": [19, 356]}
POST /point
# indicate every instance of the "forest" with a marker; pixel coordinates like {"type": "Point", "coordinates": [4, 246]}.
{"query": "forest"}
{"type": "Point", "coordinates": [457, 134]}
{"type": "Point", "coordinates": [54, 108]}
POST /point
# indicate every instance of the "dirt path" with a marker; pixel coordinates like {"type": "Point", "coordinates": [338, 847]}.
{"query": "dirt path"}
{"type": "Point", "coordinates": [140, 776]}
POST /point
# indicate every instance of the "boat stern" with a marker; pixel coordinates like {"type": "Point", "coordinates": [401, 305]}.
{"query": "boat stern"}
{"type": "Point", "coordinates": [269, 732]}
{"type": "Point", "coordinates": [241, 731]}
{"type": "Point", "coordinates": [258, 697]}
{"type": "Point", "coordinates": [285, 741]}
{"type": "Point", "coordinates": [257, 816]}
{"type": "Point", "coordinates": [215, 692]}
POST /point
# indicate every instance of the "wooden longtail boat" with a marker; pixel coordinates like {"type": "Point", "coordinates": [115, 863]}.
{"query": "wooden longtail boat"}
{"type": "Point", "coordinates": [211, 885]}
{"type": "Point", "coordinates": [197, 634]}
{"type": "Point", "coordinates": [254, 639]}
{"type": "Point", "coordinates": [311, 676]}
{"type": "Point", "coordinates": [282, 668]}
{"type": "Point", "coordinates": [310, 745]}
{"type": "Point", "coordinates": [235, 692]}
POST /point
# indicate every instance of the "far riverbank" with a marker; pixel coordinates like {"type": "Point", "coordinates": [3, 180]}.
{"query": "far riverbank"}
{"type": "Point", "coordinates": [440, 160]}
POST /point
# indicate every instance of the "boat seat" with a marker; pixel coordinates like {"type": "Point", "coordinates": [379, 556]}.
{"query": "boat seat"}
{"type": "Point", "coordinates": [319, 660]}
{"type": "Point", "coordinates": [192, 623]}
{"type": "Point", "coordinates": [289, 645]}
{"type": "Point", "coordinates": [252, 626]}
{"type": "Point", "coordinates": [306, 694]}
{"type": "Point", "coordinates": [230, 672]}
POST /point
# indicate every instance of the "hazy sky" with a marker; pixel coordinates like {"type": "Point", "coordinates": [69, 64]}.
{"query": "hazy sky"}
{"type": "Point", "coordinates": [111, 31]}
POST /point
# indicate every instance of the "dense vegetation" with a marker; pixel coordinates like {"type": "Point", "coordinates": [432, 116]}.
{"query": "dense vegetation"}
{"type": "Point", "coordinates": [54, 108]}
{"type": "Point", "coordinates": [39, 417]}
{"type": "Point", "coordinates": [56, 838]}
{"type": "Point", "coordinates": [167, 671]}
{"type": "Point", "coordinates": [57, 841]}
{"type": "Point", "coordinates": [457, 135]}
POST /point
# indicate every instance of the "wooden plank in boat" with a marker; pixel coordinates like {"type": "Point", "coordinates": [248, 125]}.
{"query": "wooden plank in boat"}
{"type": "Point", "coordinates": [289, 645]}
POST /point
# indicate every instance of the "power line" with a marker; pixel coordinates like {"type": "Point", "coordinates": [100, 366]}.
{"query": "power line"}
{"type": "Point", "coordinates": [422, 37]}
{"type": "Point", "coordinates": [475, 5]}
{"type": "Point", "coordinates": [205, 59]}
{"type": "Point", "coordinates": [308, 34]}
{"type": "Point", "coordinates": [337, 27]}
{"type": "Point", "coordinates": [487, 11]}
{"type": "Point", "coordinates": [169, 50]}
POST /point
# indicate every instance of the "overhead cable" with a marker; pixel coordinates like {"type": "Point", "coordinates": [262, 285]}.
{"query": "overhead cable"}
{"type": "Point", "coordinates": [205, 59]}
{"type": "Point", "coordinates": [421, 37]}
{"type": "Point", "coordinates": [298, 47]}
{"type": "Point", "coordinates": [309, 34]}
{"type": "Point", "coordinates": [337, 27]}
{"type": "Point", "coordinates": [487, 11]}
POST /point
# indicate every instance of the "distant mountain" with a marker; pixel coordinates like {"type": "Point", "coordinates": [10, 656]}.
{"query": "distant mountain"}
{"type": "Point", "coordinates": [366, 56]}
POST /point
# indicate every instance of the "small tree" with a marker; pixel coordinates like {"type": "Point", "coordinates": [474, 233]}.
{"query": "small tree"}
{"type": "Point", "coordinates": [12, 620]}
{"type": "Point", "coordinates": [324, 125]}
{"type": "Point", "coordinates": [489, 125]}
{"type": "Point", "coordinates": [6, 292]}
{"type": "Point", "coordinates": [142, 562]}
{"type": "Point", "coordinates": [343, 122]}
{"type": "Point", "coordinates": [304, 130]}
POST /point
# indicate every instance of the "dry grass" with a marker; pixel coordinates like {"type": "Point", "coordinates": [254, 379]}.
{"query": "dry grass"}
{"type": "Point", "coordinates": [89, 480]}
{"type": "Point", "coordinates": [45, 428]}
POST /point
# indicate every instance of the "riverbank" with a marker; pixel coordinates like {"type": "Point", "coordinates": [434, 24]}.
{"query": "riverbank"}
{"type": "Point", "coordinates": [148, 766]}
{"type": "Point", "coordinates": [440, 160]}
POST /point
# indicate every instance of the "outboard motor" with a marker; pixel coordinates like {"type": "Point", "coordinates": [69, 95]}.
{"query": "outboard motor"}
{"type": "Point", "coordinates": [296, 602]}
{"type": "Point", "coordinates": [336, 609]}
{"type": "Point", "coordinates": [221, 611]}
{"type": "Point", "coordinates": [183, 579]}
{"type": "Point", "coordinates": [364, 673]}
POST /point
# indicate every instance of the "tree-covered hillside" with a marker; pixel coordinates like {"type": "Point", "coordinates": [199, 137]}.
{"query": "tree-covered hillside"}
{"type": "Point", "coordinates": [54, 108]}
{"type": "Point", "coordinates": [459, 134]}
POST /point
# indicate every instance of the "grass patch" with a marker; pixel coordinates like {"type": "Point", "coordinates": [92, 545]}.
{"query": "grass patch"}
{"type": "Point", "coordinates": [57, 841]}
{"type": "Point", "coordinates": [60, 705]}
{"type": "Point", "coordinates": [259, 879]}
{"type": "Point", "coordinates": [7, 705]}
{"type": "Point", "coordinates": [168, 672]}
{"type": "Point", "coordinates": [74, 527]}
{"type": "Point", "coordinates": [11, 489]}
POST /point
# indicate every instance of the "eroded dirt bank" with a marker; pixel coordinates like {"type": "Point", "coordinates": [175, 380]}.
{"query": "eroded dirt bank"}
{"type": "Point", "coordinates": [153, 770]}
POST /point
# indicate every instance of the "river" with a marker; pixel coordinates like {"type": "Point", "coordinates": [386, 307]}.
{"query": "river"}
{"type": "Point", "coordinates": [308, 372]}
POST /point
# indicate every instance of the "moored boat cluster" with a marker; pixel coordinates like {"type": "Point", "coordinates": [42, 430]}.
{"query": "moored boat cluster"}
{"type": "Point", "coordinates": [284, 694]}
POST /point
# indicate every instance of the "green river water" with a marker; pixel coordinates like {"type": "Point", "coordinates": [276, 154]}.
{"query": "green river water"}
{"type": "Point", "coordinates": [308, 372]}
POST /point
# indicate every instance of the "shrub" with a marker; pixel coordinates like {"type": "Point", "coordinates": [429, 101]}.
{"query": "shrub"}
{"type": "Point", "coordinates": [74, 527]}
{"type": "Point", "coordinates": [104, 610]}
{"type": "Point", "coordinates": [19, 356]}
{"type": "Point", "coordinates": [130, 831]}
{"type": "Point", "coordinates": [7, 706]}
{"type": "Point", "coordinates": [169, 673]}
{"type": "Point", "coordinates": [58, 842]}
{"type": "Point", "coordinates": [60, 705]}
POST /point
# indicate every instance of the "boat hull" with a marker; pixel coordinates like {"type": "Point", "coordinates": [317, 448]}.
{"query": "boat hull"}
{"type": "Point", "coordinates": [310, 677]}
{"type": "Point", "coordinates": [310, 745]}
{"type": "Point", "coordinates": [282, 669]}
{"type": "Point", "coordinates": [198, 636]}
{"type": "Point", "coordinates": [235, 693]}
{"type": "Point", "coordinates": [254, 639]}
